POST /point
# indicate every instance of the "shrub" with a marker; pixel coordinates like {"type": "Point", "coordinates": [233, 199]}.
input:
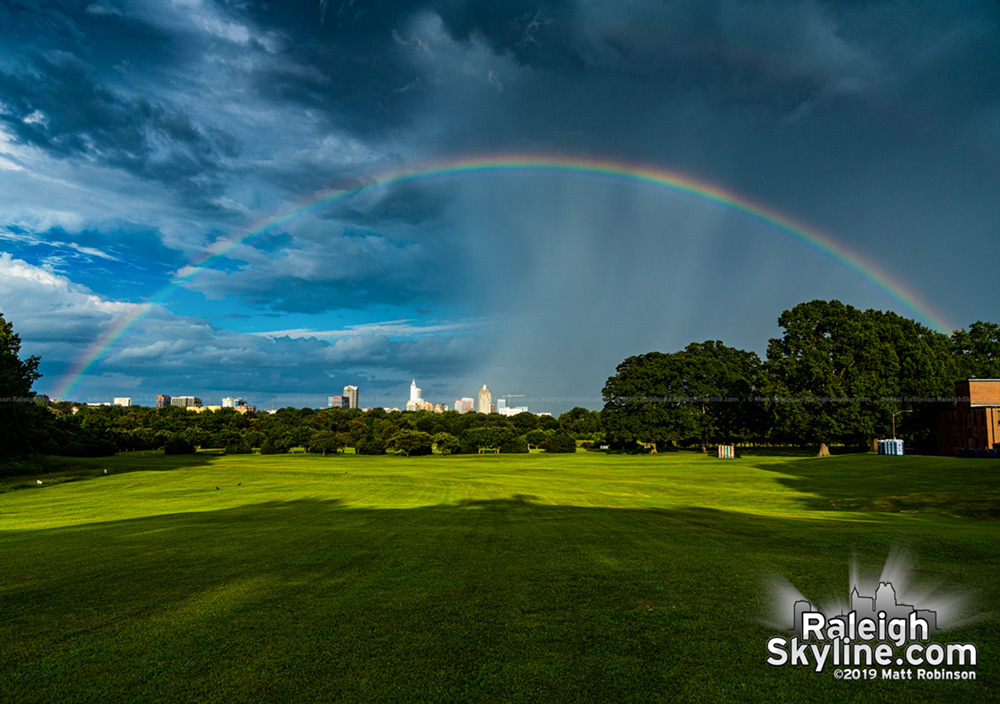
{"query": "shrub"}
{"type": "Point", "coordinates": [32, 464]}
{"type": "Point", "coordinates": [238, 447]}
{"type": "Point", "coordinates": [561, 442]}
{"type": "Point", "coordinates": [447, 443]}
{"type": "Point", "coordinates": [514, 446]}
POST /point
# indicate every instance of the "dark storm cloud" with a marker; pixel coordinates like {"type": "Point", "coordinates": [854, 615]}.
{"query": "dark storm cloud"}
{"type": "Point", "coordinates": [877, 122]}
{"type": "Point", "coordinates": [101, 32]}
{"type": "Point", "coordinates": [287, 294]}
{"type": "Point", "coordinates": [656, 78]}
{"type": "Point", "coordinates": [58, 106]}
{"type": "Point", "coordinates": [337, 58]}
{"type": "Point", "coordinates": [554, 75]}
{"type": "Point", "coordinates": [410, 204]}
{"type": "Point", "coordinates": [309, 176]}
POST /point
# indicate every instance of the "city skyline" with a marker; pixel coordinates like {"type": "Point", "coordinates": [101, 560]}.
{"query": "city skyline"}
{"type": "Point", "coordinates": [349, 399]}
{"type": "Point", "coordinates": [262, 201]}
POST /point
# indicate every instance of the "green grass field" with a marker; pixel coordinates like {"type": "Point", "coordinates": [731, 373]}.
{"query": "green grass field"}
{"type": "Point", "coordinates": [486, 578]}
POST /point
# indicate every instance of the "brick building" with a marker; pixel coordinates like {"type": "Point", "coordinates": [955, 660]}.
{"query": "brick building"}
{"type": "Point", "coordinates": [975, 422]}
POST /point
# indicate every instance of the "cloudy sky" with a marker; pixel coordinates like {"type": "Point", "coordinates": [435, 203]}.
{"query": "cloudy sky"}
{"type": "Point", "coordinates": [144, 143]}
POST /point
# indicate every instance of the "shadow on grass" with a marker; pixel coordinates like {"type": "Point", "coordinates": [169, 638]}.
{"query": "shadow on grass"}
{"type": "Point", "coordinates": [482, 600]}
{"type": "Point", "coordinates": [59, 470]}
{"type": "Point", "coordinates": [909, 485]}
{"type": "Point", "coordinates": [516, 502]}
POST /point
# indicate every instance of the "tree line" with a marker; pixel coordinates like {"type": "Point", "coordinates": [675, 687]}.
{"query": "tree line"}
{"type": "Point", "coordinates": [70, 429]}
{"type": "Point", "coordinates": [836, 375]}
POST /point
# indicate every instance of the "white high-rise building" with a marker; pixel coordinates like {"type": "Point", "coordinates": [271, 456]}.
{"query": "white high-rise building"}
{"type": "Point", "coordinates": [416, 400]}
{"type": "Point", "coordinates": [122, 401]}
{"type": "Point", "coordinates": [485, 400]}
{"type": "Point", "coordinates": [464, 405]}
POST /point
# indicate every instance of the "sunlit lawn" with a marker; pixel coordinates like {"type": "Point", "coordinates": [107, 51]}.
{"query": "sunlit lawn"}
{"type": "Point", "coordinates": [486, 578]}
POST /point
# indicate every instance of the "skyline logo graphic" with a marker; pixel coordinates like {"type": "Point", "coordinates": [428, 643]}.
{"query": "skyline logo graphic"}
{"type": "Point", "coordinates": [881, 608]}
{"type": "Point", "coordinates": [884, 632]}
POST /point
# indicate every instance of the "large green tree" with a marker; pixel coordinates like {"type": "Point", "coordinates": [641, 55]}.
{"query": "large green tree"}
{"type": "Point", "coordinates": [703, 393]}
{"type": "Point", "coordinates": [327, 442]}
{"type": "Point", "coordinates": [581, 423]}
{"type": "Point", "coordinates": [20, 417]}
{"type": "Point", "coordinates": [839, 374]}
{"type": "Point", "coordinates": [977, 351]}
{"type": "Point", "coordinates": [490, 437]}
{"type": "Point", "coordinates": [412, 442]}
{"type": "Point", "coordinates": [446, 443]}
{"type": "Point", "coordinates": [17, 375]}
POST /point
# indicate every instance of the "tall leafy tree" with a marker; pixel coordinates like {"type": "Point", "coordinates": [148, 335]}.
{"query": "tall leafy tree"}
{"type": "Point", "coordinates": [977, 351]}
{"type": "Point", "coordinates": [446, 443]}
{"type": "Point", "coordinates": [581, 423]}
{"type": "Point", "coordinates": [19, 416]}
{"type": "Point", "coordinates": [703, 393]}
{"type": "Point", "coordinates": [327, 441]}
{"type": "Point", "coordinates": [839, 373]}
{"type": "Point", "coordinates": [490, 437]}
{"type": "Point", "coordinates": [412, 442]}
{"type": "Point", "coordinates": [927, 375]}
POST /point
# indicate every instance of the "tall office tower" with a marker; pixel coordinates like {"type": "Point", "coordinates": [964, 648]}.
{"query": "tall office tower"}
{"type": "Point", "coordinates": [162, 400]}
{"type": "Point", "coordinates": [351, 394]}
{"type": "Point", "coordinates": [336, 402]}
{"type": "Point", "coordinates": [122, 401]}
{"type": "Point", "coordinates": [485, 400]}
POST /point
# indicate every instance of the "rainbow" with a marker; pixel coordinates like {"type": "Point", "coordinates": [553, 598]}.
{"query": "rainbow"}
{"type": "Point", "coordinates": [671, 181]}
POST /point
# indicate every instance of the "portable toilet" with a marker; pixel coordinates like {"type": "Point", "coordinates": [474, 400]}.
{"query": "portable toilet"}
{"type": "Point", "coordinates": [890, 447]}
